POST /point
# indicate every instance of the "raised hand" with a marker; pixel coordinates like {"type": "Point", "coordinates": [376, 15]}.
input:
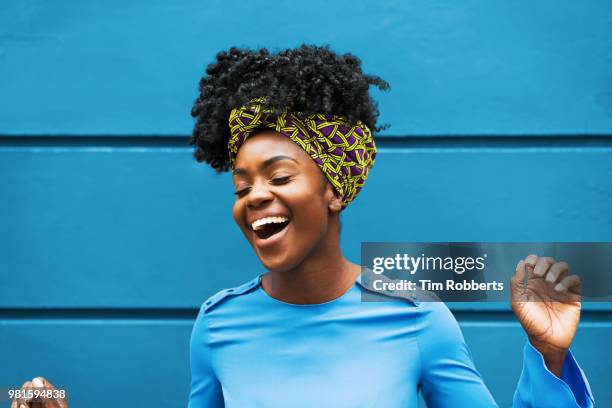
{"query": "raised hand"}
{"type": "Point", "coordinates": [546, 300]}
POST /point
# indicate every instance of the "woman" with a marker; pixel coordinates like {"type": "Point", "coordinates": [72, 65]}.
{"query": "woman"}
{"type": "Point", "coordinates": [296, 128]}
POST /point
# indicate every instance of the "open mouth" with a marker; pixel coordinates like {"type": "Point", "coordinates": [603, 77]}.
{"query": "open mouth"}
{"type": "Point", "coordinates": [270, 229]}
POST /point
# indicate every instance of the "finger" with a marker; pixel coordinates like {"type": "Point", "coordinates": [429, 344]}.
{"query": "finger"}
{"type": "Point", "coordinates": [61, 403]}
{"type": "Point", "coordinates": [40, 402]}
{"type": "Point", "coordinates": [571, 283]}
{"type": "Point", "coordinates": [530, 262]}
{"type": "Point", "coordinates": [58, 402]}
{"type": "Point", "coordinates": [45, 382]}
{"type": "Point", "coordinates": [19, 401]}
{"type": "Point", "coordinates": [22, 402]}
{"type": "Point", "coordinates": [29, 387]}
{"type": "Point", "coordinates": [542, 266]}
{"type": "Point", "coordinates": [43, 403]}
{"type": "Point", "coordinates": [17, 404]}
{"type": "Point", "coordinates": [557, 272]}
{"type": "Point", "coordinates": [37, 382]}
{"type": "Point", "coordinates": [519, 273]}
{"type": "Point", "coordinates": [14, 404]}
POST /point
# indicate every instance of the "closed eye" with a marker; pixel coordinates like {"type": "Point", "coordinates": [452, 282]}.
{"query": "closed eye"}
{"type": "Point", "coordinates": [281, 180]}
{"type": "Point", "coordinates": [242, 192]}
{"type": "Point", "coordinates": [274, 181]}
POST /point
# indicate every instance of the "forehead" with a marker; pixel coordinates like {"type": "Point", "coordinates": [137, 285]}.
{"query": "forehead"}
{"type": "Point", "coordinates": [265, 144]}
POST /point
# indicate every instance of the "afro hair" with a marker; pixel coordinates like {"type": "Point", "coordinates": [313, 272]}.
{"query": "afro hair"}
{"type": "Point", "coordinates": [309, 79]}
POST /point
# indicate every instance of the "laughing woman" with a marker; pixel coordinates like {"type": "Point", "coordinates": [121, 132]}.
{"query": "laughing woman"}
{"type": "Point", "coordinates": [295, 128]}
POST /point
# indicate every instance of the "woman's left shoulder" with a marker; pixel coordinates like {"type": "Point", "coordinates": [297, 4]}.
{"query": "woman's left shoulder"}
{"type": "Point", "coordinates": [438, 323]}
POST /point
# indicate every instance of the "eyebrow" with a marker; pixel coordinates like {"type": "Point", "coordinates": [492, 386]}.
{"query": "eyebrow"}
{"type": "Point", "coordinates": [266, 163]}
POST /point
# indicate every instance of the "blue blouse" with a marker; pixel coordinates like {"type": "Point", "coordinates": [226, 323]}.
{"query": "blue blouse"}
{"type": "Point", "coordinates": [251, 350]}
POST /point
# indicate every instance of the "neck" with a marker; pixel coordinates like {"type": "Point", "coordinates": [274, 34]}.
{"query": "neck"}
{"type": "Point", "coordinates": [323, 276]}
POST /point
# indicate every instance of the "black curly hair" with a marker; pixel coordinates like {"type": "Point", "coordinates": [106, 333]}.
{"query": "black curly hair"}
{"type": "Point", "coordinates": [309, 79]}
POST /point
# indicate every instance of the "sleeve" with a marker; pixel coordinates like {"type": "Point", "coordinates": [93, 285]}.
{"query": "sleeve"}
{"type": "Point", "coordinates": [205, 387]}
{"type": "Point", "coordinates": [571, 390]}
{"type": "Point", "coordinates": [449, 377]}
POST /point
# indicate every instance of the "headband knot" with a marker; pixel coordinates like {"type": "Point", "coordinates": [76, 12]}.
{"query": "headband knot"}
{"type": "Point", "coordinates": [344, 152]}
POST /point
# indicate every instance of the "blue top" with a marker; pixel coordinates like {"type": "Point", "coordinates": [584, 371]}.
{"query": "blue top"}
{"type": "Point", "coordinates": [251, 350]}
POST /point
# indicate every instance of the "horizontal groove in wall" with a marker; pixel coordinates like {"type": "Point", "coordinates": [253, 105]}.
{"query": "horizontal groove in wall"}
{"type": "Point", "coordinates": [7, 314]}
{"type": "Point", "coordinates": [411, 142]}
{"type": "Point", "coordinates": [99, 313]}
{"type": "Point", "coordinates": [465, 316]}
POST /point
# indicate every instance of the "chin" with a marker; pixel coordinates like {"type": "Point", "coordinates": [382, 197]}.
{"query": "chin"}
{"type": "Point", "coordinates": [277, 264]}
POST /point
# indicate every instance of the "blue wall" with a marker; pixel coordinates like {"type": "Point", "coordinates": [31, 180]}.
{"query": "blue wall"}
{"type": "Point", "coordinates": [112, 235]}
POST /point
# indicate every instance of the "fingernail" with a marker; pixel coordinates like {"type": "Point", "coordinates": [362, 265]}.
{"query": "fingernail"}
{"type": "Point", "coordinates": [560, 288]}
{"type": "Point", "coordinates": [519, 264]}
{"type": "Point", "coordinates": [538, 271]}
{"type": "Point", "coordinates": [550, 278]}
{"type": "Point", "coordinates": [36, 382]}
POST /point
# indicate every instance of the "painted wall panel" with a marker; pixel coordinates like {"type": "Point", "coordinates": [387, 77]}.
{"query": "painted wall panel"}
{"type": "Point", "coordinates": [149, 227]}
{"type": "Point", "coordinates": [101, 363]}
{"type": "Point", "coordinates": [455, 68]}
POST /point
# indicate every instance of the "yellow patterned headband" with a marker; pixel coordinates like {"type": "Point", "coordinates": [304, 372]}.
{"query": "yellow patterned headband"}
{"type": "Point", "coordinates": [343, 152]}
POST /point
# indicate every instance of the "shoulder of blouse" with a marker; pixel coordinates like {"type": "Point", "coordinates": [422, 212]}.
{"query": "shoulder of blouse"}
{"type": "Point", "coordinates": [218, 297]}
{"type": "Point", "coordinates": [367, 278]}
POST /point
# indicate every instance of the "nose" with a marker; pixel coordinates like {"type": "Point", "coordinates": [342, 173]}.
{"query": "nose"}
{"type": "Point", "coordinates": [259, 195]}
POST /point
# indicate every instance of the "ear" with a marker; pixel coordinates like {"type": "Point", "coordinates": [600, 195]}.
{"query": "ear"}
{"type": "Point", "coordinates": [335, 200]}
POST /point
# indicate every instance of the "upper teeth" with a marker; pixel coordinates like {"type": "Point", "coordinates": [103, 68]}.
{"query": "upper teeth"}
{"type": "Point", "coordinates": [258, 224]}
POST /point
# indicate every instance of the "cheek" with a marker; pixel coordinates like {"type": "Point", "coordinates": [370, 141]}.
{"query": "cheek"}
{"type": "Point", "coordinates": [238, 214]}
{"type": "Point", "coordinates": [236, 211]}
{"type": "Point", "coordinates": [310, 214]}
